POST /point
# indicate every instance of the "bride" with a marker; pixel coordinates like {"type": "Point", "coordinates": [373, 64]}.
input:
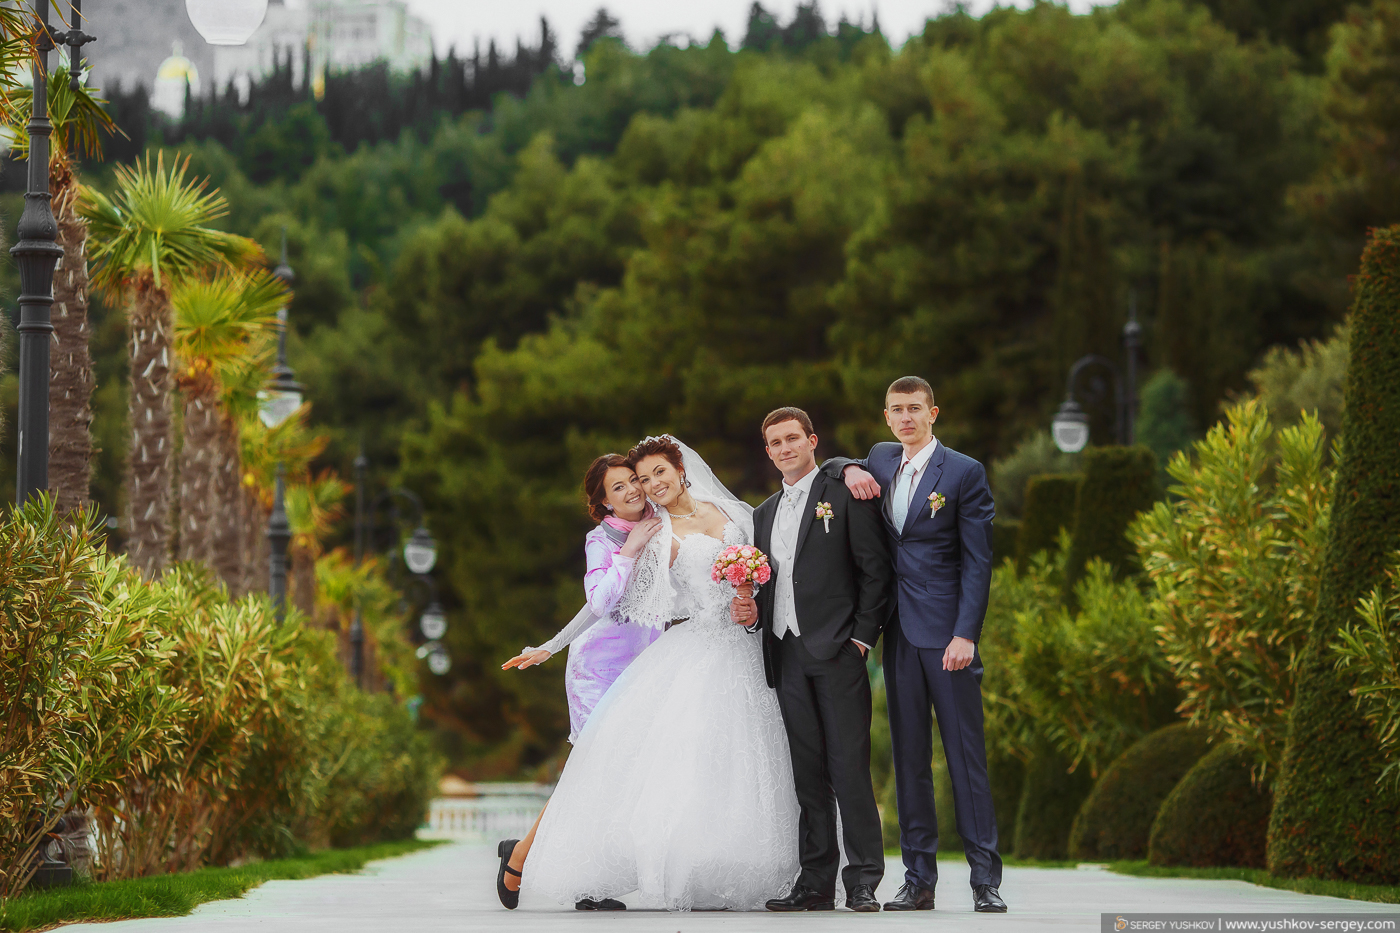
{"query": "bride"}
{"type": "Point", "coordinates": [680, 785]}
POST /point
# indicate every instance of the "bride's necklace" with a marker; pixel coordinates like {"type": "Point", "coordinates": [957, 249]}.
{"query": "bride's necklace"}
{"type": "Point", "coordinates": [691, 514]}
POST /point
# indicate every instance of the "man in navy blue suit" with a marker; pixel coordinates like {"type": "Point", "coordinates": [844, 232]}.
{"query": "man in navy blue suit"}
{"type": "Point", "coordinates": [938, 515]}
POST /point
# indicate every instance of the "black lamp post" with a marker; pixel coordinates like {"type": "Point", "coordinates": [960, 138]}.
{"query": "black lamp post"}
{"type": "Point", "coordinates": [278, 403]}
{"type": "Point", "coordinates": [357, 621]}
{"type": "Point", "coordinates": [419, 556]}
{"type": "Point", "coordinates": [1070, 426]}
{"type": "Point", "coordinates": [37, 254]}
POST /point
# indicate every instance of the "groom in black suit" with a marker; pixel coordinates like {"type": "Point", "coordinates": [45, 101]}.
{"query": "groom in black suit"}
{"type": "Point", "coordinates": [938, 511]}
{"type": "Point", "coordinates": [820, 614]}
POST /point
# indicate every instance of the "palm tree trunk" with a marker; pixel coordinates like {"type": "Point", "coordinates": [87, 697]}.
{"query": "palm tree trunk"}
{"type": "Point", "coordinates": [256, 549]}
{"type": "Point", "coordinates": [148, 495]}
{"type": "Point", "coordinates": [199, 466]}
{"type": "Point", "coordinates": [227, 542]}
{"type": "Point", "coordinates": [71, 380]}
{"type": "Point", "coordinates": [304, 580]}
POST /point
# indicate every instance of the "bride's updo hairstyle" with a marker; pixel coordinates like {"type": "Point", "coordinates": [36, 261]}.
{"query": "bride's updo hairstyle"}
{"type": "Point", "coordinates": [594, 487]}
{"type": "Point", "coordinates": [657, 447]}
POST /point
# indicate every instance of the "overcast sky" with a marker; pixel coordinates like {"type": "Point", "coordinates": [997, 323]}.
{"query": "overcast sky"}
{"type": "Point", "coordinates": [460, 22]}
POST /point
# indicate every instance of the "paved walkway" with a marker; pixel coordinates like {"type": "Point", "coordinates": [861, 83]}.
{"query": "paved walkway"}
{"type": "Point", "coordinates": [452, 888]}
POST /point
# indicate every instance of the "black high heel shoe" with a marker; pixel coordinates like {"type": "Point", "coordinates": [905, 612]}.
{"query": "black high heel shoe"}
{"type": "Point", "coordinates": [509, 899]}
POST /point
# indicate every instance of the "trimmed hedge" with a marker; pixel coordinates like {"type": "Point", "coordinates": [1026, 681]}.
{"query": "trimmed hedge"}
{"type": "Point", "coordinates": [1216, 816]}
{"type": "Point", "coordinates": [1115, 822]}
{"type": "Point", "coordinates": [1050, 500]}
{"type": "Point", "coordinates": [1333, 820]}
{"type": "Point", "coordinates": [1005, 533]}
{"type": "Point", "coordinates": [1050, 797]}
{"type": "Point", "coordinates": [1119, 482]}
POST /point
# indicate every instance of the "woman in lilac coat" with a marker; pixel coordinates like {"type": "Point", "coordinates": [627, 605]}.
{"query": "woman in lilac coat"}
{"type": "Point", "coordinates": [601, 643]}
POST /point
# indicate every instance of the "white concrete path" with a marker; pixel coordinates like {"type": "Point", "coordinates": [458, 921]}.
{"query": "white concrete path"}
{"type": "Point", "coordinates": [452, 888]}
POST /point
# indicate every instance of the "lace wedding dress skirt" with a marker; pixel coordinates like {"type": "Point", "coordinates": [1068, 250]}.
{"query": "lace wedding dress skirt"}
{"type": "Point", "coordinates": [679, 788]}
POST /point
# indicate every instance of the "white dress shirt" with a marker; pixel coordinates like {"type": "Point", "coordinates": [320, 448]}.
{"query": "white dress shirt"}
{"type": "Point", "coordinates": [785, 527]}
{"type": "Point", "coordinates": [906, 483]}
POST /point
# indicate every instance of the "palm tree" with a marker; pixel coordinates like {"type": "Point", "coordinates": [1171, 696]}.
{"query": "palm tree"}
{"type": "Point", "coordinates": [233, 558]}
{"type": "Point", "coordinates": [78, 121]}
{"type": "Point", "coordinates": [216, 321]}
{"type": "Point", "coordinates": [156, 230]}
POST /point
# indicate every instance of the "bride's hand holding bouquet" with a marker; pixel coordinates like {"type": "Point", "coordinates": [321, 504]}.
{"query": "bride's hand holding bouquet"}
{"type": "Point", "coordinates": [745, 568]}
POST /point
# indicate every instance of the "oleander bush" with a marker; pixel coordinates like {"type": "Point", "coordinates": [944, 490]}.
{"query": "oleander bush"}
{"type": "Point", "coordinates": [191, 728]}
{"type": "Point", "coordinates": [1217, 815]}
{"type": "Point", "coordinates": [1115, 821]}
{"type": "Point", "coordinates": [1089, 680]}
{"type": "Point", "coordinates": [1236, 561]}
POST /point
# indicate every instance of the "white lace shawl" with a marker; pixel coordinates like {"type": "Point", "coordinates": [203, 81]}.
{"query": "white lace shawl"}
{"type": "Point", "coordinates": [650, 597]}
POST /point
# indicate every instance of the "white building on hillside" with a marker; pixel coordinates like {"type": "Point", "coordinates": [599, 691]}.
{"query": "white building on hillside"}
{"type": "Point", "coordinates": [339, 34]}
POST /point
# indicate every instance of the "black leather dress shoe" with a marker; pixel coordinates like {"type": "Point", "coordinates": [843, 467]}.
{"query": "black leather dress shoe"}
{"type": "Point", "coordinates": [802, 898]}
{"type": "Point", "coordinates": [509, 899]}
{"type": "Point", "coordinates": [606, 903]}
{"type": "Point", "coordinates": [986, 899]}
{"type": "Point", "coordinates": [911, 897]}
{"type": "Point", "coordinates": [862, 900]}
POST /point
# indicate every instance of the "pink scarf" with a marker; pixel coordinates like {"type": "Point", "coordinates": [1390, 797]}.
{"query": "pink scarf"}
{"type": "Point", "coordinates": [625, 526]}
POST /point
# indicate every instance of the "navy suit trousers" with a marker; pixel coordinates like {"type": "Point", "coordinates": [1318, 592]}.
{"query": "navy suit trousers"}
{"type": "Point", "coordinates": [918, 688]}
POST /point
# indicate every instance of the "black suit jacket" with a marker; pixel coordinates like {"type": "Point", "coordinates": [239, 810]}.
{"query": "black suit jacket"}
{"type": "Point", "coordinates": [841, 577]}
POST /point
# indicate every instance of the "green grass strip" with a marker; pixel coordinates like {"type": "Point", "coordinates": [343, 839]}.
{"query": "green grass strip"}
{"type": "Point", "coordinates": [1381, 894]}
{"type": "Point", "coordinates": [177, 895]}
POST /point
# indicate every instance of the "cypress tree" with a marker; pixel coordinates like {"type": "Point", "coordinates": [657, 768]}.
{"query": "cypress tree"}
{"type": "Point", "coordinates": [1119, 482]}
{"type": "Point", "coordinates": [1049, 508]}
{"type": "Point", "coordinates": [1332, 818]}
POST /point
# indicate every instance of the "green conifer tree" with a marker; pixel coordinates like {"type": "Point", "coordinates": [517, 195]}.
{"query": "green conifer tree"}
{"type": "Point", "coordinates": [1332, 818]}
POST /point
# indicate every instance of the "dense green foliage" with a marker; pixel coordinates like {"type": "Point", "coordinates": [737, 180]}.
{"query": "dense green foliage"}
{"type": "Point", "coordinates": [198, 729]}
{"type": "Point", "coordinates": [1116, 819]}
{"type": "Point", "coordinates": [1049, 512]}
{"type": "Point", "coordinates": [1333, 818]}
{"type": "Point", "coordinates": [1164, 423]}
{"type": "Point", "coordinates": [1118, 483]}
{"type": "Point", "coordinates": [1236, 562]}
{"type": "Point", "coordinates": [1089, 680]}
{"type": "Point", "coordinates": [1216, 815]}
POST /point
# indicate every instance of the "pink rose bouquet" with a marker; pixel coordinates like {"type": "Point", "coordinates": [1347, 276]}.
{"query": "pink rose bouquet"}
{"type": "Point", "coordinates": [742, 565]}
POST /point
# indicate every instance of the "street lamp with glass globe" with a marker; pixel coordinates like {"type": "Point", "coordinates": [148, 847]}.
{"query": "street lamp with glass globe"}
{"type": "Point", "coordinates": [276, 404]}
{"type": "Point", "coordinates": [1070, 427]}
{"type": "Point", "coordinates": [420, 552]}
{"type": "Point", "coordinates": [226, 22]}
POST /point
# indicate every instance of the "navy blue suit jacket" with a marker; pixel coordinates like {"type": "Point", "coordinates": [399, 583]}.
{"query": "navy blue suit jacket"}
{"type": "Point", "coordinates": [942, 561]}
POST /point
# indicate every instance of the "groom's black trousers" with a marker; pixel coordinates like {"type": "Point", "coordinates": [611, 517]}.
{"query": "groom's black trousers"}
{"type": "Point", "coordinates": [826, 708]}
{"type": "Point", "coordinates": [918, 687]}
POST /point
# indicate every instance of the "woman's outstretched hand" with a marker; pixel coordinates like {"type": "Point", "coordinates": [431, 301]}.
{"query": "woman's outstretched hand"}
{"type": "Point", "coordinates": [527, 659]}
{"type": "Point", "coordinates": [641, 533]}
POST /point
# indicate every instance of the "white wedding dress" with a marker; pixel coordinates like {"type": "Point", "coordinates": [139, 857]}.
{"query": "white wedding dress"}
{"type": "Point", "coordinates": [679, 788]}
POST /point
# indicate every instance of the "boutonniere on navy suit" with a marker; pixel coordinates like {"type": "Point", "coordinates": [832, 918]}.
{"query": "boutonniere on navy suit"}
{"type": "Point", "coordinates": [938, 519]}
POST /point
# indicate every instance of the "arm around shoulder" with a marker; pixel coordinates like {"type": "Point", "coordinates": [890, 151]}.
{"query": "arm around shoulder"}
{"type": "Point", "coordinates": [875, 572]}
